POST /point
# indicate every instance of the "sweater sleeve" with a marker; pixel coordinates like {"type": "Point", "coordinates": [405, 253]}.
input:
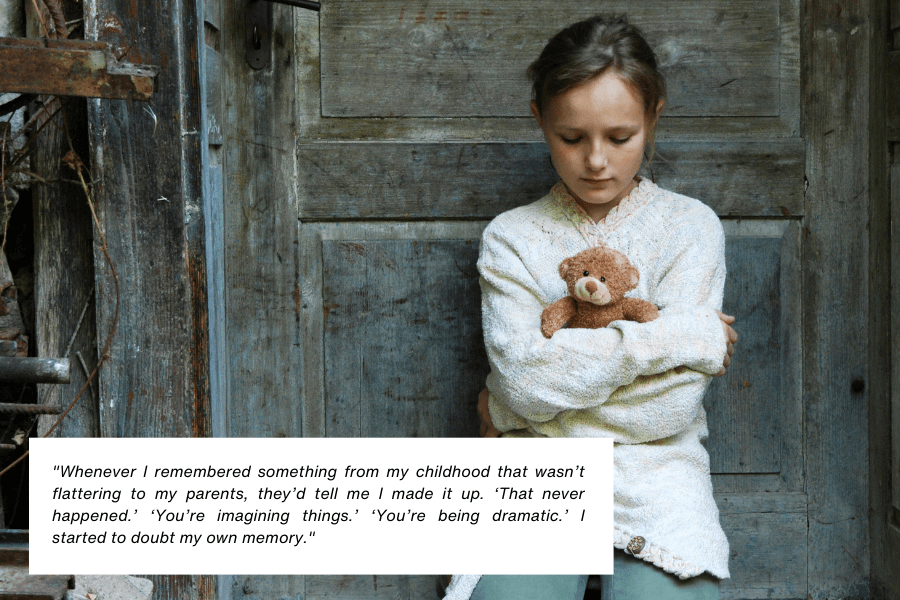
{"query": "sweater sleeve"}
{"type": "Point", "coordinates": [533, 379]}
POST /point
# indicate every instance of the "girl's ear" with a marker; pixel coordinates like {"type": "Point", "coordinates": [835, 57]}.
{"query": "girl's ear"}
{"type": "Point", "coordinates": [655, 121]}
{"type": "Point", "coordinates": [536, 113]}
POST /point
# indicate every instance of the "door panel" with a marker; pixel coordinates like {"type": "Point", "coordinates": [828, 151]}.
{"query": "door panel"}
{"type": "Point", "coordinates": [435, 55]}
{"type": "Point", "coordinates": [767, 533]}
{"type": "Point", "coordinates": [755, 411]}
{"type": "Point", "coordinates": [396, 307]}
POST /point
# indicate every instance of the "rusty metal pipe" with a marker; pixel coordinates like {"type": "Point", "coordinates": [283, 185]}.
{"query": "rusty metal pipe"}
{"type": "Point", "coordinates": [29, 409]}
{"type": "Point", "coordinates": [34, 370]}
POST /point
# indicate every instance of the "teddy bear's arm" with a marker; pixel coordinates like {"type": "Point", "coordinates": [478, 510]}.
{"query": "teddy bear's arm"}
{"type": "Point", "coordinates": [641, 311]}
{"type": "Point", "coordinates": [557, 314]}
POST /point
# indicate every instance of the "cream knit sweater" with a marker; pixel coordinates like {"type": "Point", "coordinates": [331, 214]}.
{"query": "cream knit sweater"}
{"type": "Point", "coordinates": [640, 384]}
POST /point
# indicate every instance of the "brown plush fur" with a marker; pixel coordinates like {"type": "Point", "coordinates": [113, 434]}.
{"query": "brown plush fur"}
{"type": "Point", "coordinates": [610, 274]}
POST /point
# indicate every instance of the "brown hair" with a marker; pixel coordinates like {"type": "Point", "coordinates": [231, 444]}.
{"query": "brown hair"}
{"type": "Point", "coordinates": [587, 49]}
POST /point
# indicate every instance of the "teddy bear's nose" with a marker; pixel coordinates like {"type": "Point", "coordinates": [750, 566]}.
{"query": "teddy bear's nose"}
{"type": "Point", "coordinates": [590, 286]}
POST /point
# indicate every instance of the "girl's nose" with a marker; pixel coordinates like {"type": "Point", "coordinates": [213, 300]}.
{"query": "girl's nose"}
{"type": "Point", "coordinates": [596, 158]}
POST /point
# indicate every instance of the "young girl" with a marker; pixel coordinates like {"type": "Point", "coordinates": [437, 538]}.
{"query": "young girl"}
{"type": "Point", "coordinates": [597, 96]}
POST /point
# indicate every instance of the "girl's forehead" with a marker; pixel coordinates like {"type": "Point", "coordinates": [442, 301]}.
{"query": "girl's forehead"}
{"type": "Point", "coordinates": [607, 97]}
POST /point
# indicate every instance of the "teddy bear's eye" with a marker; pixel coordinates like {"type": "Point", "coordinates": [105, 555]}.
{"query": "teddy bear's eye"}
{"type": "Point", "coordinates": [603, 279]}
{"type": "Point", "coordinates": [586, 273]}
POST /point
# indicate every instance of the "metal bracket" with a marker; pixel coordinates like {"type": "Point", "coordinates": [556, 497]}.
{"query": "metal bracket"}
{"type": "Point", "coordinates": [258, 28]}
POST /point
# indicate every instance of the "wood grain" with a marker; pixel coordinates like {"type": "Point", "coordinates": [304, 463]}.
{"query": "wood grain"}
{"type": "Point", "coordinates": [260, 229]}
{"type": "Point", "coordinates": [755, 407]}
{"type": "Point", "coordinates": [378, 297]}
{"type": "Point", "coordinates": [767, 535]}
{"type": "Point", "coordinates": [64, 272]}
{"type": "Point", "coordinates": [884, 351]}
{"type": "Point", "coordinates": [313, 125]}
{"type": "Point", "coordinates": [261, 352]}
{"type": "Point", "coordinates": [212, 85]}
{"type": "Point", "coordinates": [146, 196]}
{"type": "Point", "coordinates": [147, 173]}
{"type": "Point", "coordinates": [892, 95]}
{"type": "Point", "coordinates": [393, 304]}
{"type": "Point", "coordinates": [439, 181]}
{"type": "Point", "coordinates": [771, 560]}
{"type": "Point", "coordinates": [71, 68]}
{"type": "Point", "coordinates": [895, 339]}
{"type": "Point", "coordinates": [718, 60]}
{"type": "Point", "coordinates": [836, 51]}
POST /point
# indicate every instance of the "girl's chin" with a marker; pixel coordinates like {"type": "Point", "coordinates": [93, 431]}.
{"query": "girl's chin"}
{"type": "Point", "coordinates": [594, 197]}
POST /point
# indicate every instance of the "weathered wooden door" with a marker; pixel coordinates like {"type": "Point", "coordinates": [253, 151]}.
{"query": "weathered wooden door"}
{"type": "Point", "coordinates": [360, 166]}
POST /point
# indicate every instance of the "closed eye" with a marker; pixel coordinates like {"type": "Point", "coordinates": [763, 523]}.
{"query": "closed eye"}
{"type": "Point", "coordinates": [570, 140]}
{"type": "Point", "coordinates": [620, 141]}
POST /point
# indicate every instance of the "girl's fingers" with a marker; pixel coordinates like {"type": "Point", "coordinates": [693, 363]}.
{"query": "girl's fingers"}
{"type": "Point", "coordinates": [727, 319]}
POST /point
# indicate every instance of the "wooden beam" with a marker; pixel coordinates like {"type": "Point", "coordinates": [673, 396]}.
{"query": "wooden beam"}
{"type": "Point", "coordinates": [892, 80]}
{"type": "Point", "coordinates": [71, 68]}
{"type": "Point", "coordinates": [836, 121]}
{"type": "Point", "coordinates": [148, 172]}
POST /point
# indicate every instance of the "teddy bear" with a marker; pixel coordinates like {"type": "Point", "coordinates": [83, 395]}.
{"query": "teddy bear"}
{"type": "Point", "coordinates": [597, 280]}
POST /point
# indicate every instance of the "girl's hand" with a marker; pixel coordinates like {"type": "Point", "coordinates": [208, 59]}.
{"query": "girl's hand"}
{"type": "Point", "coordinates": [731, 337]}
{"type": "Point", "coordinates": [487, 426]}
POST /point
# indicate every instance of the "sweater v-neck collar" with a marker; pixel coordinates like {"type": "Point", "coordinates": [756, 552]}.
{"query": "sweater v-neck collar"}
{"type": "Point", "coordinates": [596, 233]}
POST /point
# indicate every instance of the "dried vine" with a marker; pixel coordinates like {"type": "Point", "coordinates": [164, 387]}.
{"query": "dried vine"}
{"type": "Point", "coordinates": [46, 115]}
{"type": "Point", "coordinates": [78, 165]}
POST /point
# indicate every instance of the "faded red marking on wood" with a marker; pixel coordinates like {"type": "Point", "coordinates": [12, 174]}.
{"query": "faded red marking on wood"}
{"type": "Point", "coordinates": [358, 248]}
{"type": "Point", "coordinates": [325, 311]}
{"type": "Point", "coordinates": [420, 18]}
{"type": "Point", "coordinates": [402, 10]}
{"type": "Point", "coordinates": [440, 15]}
{"type": "Point", "coordinates": [487, 13]}
{"type": "Point", "coordinates": [461, 15]}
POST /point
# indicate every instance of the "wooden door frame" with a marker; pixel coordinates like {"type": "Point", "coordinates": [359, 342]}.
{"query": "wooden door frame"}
{"type": "Point", "coordinates": [148, 191]}
{"type": "Point", "coordinates": [884, 285]}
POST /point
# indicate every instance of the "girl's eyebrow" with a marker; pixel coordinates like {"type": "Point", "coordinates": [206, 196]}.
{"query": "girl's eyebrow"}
{"type": "Point", "coordinates": [615, 129]}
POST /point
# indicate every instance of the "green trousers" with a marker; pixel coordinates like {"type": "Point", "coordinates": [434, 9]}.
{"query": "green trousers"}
{"type": "Point", "coordinates": [634, 579]}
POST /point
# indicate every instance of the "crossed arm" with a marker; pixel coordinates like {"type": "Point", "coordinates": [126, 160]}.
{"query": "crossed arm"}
{"type": "Point", "coordinates": [645, 381]}
{"type": "Point", "coordinates": [487, 428]}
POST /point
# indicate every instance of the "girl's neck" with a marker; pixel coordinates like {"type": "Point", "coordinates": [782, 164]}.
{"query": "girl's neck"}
{"type": "Point", "coordinates": [598, 212]}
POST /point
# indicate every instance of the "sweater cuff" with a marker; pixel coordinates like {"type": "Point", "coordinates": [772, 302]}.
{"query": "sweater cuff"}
{"type": "Point", "coordinates": [708, 345]}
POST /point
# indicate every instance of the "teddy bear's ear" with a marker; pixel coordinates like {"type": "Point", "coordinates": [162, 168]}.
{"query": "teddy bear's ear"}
{"type": "Point", "coordinates": [633, 276]}
{"type": "Point", "coordinates": [564, 267]}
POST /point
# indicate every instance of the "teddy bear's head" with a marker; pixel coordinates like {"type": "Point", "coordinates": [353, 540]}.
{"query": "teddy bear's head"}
{"type": "Point", "coordinates": [599, 275]}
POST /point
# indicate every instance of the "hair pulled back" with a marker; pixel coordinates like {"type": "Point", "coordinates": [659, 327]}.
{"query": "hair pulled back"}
{"type": "Point", "coordinates": [587, 49]}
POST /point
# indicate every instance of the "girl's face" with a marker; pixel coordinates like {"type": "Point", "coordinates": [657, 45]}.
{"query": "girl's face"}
{"type": "Point", "coordinates": [597, 132]}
